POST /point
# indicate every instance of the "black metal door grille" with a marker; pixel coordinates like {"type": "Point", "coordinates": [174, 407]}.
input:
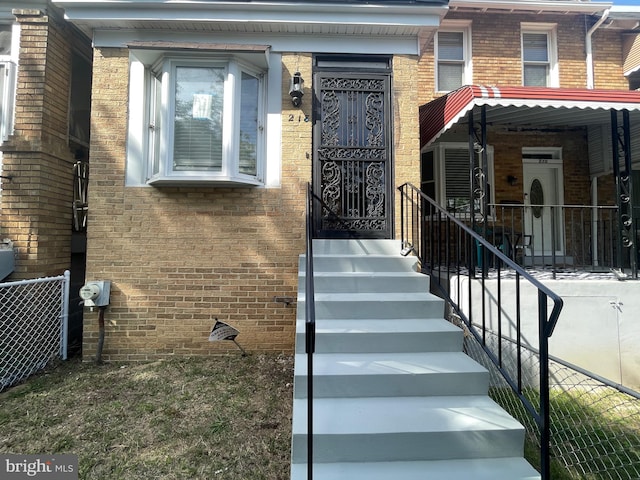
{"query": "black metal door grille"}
{"type": "Point", "coordinates": [352, 167]}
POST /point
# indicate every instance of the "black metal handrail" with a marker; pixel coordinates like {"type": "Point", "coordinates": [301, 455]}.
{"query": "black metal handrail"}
{"type": "Point", "coordinates": [449, 250]}
{"type": "Point", "coordinates": [310, 327]}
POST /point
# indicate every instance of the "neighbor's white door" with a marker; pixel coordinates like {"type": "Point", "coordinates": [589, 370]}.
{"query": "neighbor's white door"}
{"type": "Point", "coordinates": [543, 188]}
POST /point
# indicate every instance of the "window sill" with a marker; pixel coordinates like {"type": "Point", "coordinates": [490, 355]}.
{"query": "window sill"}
{"type": "Point", "coordinates": [203, 181]}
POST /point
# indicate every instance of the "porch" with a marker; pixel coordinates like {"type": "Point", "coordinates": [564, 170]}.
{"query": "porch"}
{"type": "Point", "coordinates": [561, 238]}
{"type": "Point", "coordinates": [544, 174]}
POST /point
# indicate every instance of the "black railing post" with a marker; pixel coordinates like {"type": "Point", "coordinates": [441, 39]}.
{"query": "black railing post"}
{"type": "Point", "coordinates": [402, 239]}
{"type": "Point", "coordinates": [310, 328]}
{"type": "Point", "coordinates": [545, 431]}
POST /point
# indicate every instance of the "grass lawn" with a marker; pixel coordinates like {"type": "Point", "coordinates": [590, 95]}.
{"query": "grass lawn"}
{"type": "Point", "coordinates": [226, 417]}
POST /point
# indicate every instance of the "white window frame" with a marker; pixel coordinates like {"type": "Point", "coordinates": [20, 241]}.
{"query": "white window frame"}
{"type": "Point", "coordinates": [439, 166]}
{"type": "Point", "coordinates": [550, 30]}
{"type": "Point", "coordinates": [8, 93]}
{"type": "Point", "coordinates": [456, 26]}
{"type": "Point", "coordinates": [143, 150]}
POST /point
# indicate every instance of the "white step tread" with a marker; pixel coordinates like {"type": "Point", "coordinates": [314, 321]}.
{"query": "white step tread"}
{"type": "Point", "coordinates": [376, 415]}
{"type": "Point", "coordinates": [509, 468]}
{"type": "Point", "coordinates": [377, 325]}
{"type": "Point", "coordinates": [376, 429]}
{"type": "Point", "coordinates": [391, 374]}
{"type": "Point", "coordinates": [376, 297]}
{"type": "Point", "coordinates": [380, 335]}
{"type": "Point", "coordinates": [367, 282]}
{"type": "Point", "coordinates": [413, 363]}
{"type": "Point", "coordinates": [357, 246]}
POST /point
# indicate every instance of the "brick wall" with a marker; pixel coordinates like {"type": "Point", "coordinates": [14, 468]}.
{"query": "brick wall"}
{"type": "Point", "coordinates": [181, 257]}
{"type": "Point", "coordinates": [497, 57]}
{"type": "Point", "coordinates": [508, 161]}
{"type": "Point", "coordinates": [406, 126]}
{"type": "Point", "coordinates": [497, 61]}
{"type": "Point", "coordinates": [36, 202]}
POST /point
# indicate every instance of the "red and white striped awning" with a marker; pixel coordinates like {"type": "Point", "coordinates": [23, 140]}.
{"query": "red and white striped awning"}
{"type": "Point", "coordinates": [522, 106]}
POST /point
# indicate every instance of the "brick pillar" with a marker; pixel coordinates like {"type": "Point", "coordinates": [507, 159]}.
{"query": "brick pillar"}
{"type": "Point", "coordinates": [36, 201]}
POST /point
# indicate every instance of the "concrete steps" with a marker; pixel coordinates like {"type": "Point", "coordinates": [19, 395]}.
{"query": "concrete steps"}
{"type": "Point", "coordinates": [394, 396]}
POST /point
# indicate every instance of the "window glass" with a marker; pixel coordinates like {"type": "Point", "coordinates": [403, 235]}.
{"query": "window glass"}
{"type": "Point", "coordinates": [450, 46]}
{"type": "Point", "coordinates": [445, 176]}
{"type": "Point", "coordinates": [451, 61]}
{"type": "Point", "coordinates": [3, 76]}
{"type": "Point", "coordinates": [197, 142]}
{"type": "Point", "coordinates": [456, 164]}
{"type": "Point", "coordinates": [249, 102]}
{"type": "Point", "coordinates": [535, 47]}
{"type": "Point", "coordinates": [535, 54]}
{"type": "Point", "coordinates": [536, 75]}
{"type": "Point", "coordinates": [450, 76]}
{"type": "Point", "coordinates": [155, 115]}
{"type": "Point", "coordinates": [5, 39]}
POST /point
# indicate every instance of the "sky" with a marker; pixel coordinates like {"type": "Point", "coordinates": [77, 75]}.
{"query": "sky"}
{"type": "Point", "coordinates": [635, 3]}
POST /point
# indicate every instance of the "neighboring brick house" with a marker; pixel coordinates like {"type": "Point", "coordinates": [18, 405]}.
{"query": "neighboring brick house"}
{"type": "Point", "coordinates": [188, 232]}
{"type": "Point", "coordinates": [45, 87]}
{"type": "Point", "coordinates": [517, 50]}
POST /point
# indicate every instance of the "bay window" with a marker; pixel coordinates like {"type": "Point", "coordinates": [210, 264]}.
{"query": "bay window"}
{"type": "Point", "coordinates": [8, 69]}
{"type": "Point", "coordinates": [206, 118]}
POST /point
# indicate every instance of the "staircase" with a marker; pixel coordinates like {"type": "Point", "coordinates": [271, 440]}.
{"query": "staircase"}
{"type": "Point", "coordinates": [395, 396]}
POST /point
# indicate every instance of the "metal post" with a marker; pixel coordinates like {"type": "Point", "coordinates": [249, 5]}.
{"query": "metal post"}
{"type": "Point", "coordinates": [615, 150]}
{"type": "Point", "coordinates": [630, 224]}
{"type": "Point", "coordinates": [545, 430]}
{"type": "Point", "coordinates": [65, 315]}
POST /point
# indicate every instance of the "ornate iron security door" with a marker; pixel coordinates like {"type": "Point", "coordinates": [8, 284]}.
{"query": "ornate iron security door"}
{"type": "Point", "coordinates": [352, 155]}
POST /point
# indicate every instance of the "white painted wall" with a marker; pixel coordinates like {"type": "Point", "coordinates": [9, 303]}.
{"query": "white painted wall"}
{"type": "Point", "coordinates": [598, 328]}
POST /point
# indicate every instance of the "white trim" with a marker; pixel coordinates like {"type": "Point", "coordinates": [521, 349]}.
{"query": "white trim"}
{"type": "Point", "coordinates": [8, 94]}
{"type": "Point", "coordinates": [555, 152]}
{"type": "Point", "coordinates": [295, 13]}
{"type": "Point", "coordinates": [138, 158]}
{"type": "Point", "coordinates": [532, 5]}
{"type": "Point", "coordinates": [316, 43]}
{"type": "Point", "coordinates": [550, 29]}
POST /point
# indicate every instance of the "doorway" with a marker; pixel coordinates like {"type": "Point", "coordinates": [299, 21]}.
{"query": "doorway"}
{"type": "Point", "coordinates": [352, 162]}
{"type": "Point", "coordinates": [543, 196]}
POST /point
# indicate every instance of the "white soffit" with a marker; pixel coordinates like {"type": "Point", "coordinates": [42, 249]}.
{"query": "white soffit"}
{"type": "Point", "coordinates": [254, 17]}
{"type": "Point", "coordinates": [548, 6]}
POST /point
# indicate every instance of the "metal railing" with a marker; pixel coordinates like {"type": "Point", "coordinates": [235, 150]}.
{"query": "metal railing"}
{"type": "Point", "coordinates": [559, 237]}
{"type": "Point", "coordinates": [33, 326]}
{"type": "Point", "coordinates": [457, 258]}
{"type": "Point", "coordinates": [310, 327]}
{"type": "Point", "coordinates": [595, 422]}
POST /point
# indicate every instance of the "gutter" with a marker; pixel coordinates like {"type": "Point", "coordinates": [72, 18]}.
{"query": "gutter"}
{"type": "Point", "coordinates": [589, 49]}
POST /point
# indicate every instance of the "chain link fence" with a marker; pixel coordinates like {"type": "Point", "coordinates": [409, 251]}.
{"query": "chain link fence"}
{"type": "Point", "coordinates": [595, 424]}
{"type": "Point", "coordinates": [33, 326]}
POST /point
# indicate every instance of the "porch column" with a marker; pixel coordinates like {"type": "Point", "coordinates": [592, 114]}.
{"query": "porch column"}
{"type": "Point", "coordinates": [621, 150]}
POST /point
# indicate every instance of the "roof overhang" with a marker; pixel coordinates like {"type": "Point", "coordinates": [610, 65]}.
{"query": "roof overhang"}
{"type": "Point", "coordinates": [265, 17]}
{"type": "Point", "coordinates": [526, 106]}
{"type": "Point", "coordinates": [548, 6]}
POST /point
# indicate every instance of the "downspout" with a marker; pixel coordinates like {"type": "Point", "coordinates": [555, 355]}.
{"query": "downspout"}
{"type": "Point", "coordinates": [589, 49]}
{"type": "Point", "coordinates": [594, 180]}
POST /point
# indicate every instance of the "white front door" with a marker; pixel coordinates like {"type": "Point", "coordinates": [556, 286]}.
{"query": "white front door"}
{"type": "Point", "coordinates": [543, 225]}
